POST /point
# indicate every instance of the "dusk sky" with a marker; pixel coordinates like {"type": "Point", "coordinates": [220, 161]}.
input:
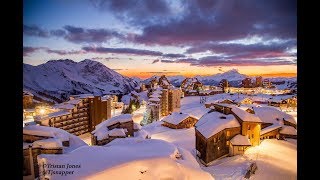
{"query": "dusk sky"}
{"type": "Point", "coordinates": [181, 37]}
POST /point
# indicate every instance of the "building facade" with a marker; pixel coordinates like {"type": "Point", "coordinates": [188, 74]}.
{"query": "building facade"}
{"type": "Point", "coordinates": [79, 115]}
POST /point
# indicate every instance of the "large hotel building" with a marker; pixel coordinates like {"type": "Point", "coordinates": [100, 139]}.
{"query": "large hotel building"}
{"type": "Point", "coordinates": [79, 115]}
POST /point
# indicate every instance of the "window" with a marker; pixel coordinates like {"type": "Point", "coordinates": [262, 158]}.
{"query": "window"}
{"type": "Point", "coordinates": [248, 127]}
{"type": "Point", "coordinates": [218, 148]}
{"type": "Point", "coordinates": [240, 148]}
{"type": "Point", "coordinates": [228, 133]}
{"type": "Point", "coordinates": [214, 140]}
{"type": "Point", "coordinates": [252, 135]}
{"type": "Point", "coordinates": [228, 143]}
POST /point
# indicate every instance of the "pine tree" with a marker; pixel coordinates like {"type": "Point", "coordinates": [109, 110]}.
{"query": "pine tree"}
{"type": "Point", "coordinates": [150, 119]}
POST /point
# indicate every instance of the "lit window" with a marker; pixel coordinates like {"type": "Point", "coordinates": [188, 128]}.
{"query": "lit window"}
{"type": "Point", "coordinates": [248, 127]}
{"type": "Point", "coordinates": [240, 148]}
{"type": "Point", "coordinates": [228, 143]}
{"type": "Point", "coordinates": [218, 148]}
{"type": "Point", "coordinates": [228, 133]}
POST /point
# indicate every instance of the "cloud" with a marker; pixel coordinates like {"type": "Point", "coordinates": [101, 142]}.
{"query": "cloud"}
{"type": "Point", "coordinates": [28, 50]}
{"type": "Point", "coordinates": [173, 55]}
{"type": "Point", "coordinates": [63, 52]}
{"type": "Point", "coordinates": [80, 35]}
{"type": "Point", "coordinates": [33, 30]}
{"type": "Point", "coordinates": [226, 61]}
{"type": "Point", "coordinates": [74, 34]}
{"type": "Point", "coordinates": [224, 20]}
{"type": "Point", "coordinates": [58, 33]}
{"type": "Point", "coordinates": [155, 61]}
{"type": "Point", "coordinates": [104, 58]}
{"type": "Point", "coordinates": [234, 48]}
{"type": "Point", "coordinates": [122, 51]}
{"type": "Point", "coordinates": [167, 61]}
{"type": "Point", "coordinates": [136, 11]}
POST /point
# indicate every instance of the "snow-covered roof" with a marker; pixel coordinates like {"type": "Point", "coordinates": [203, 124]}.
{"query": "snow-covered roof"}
{"type": "Point", "coordinates": [50, 143]}
{"type": "Point", "coordinates": [74, 101]}
{"type": "Point", "coordinates": [38, 131]}
{"type": "Point", "coordinates": [27, 93]}
{"type": "Point", "coordinates": [127, 158]}
{"type": "Point", "coordinates": [289, 130]}
{"type": "Point", "coordinates": [270, 114]}
{"type": "Point", "coordinates": [155, 95]}
{"type": "Point", "coordinates": [106, 97]}
{"type": "Point", "coordinates": [244, 115]}
{"type": "Point", "coordinates": [280, 98]}
{"type": "Point", "coordinates": [54, 133]}
{"type": "Point", "coordinates": [82, 96]}
{"type": "Point", "coordinates": [192, 91]}
{"type": "Point", "coordinates": [214, 122]}
{"type": "Point", "coordinates": [157, 92]}
{"type": "Point", "coordinates": [197, 112]}
{"type": "Point", "coordinates": [102, 131]}
{"type": "Point", "coordinates": [64, 106]}
{"type": "Point", "coordinates": [54, 114]}
{"type": "Point", "coordinates": [122, 118]}
{"type": "Point", "coordinates": [175, 118]}
{"type": "Point", "coordinates": [154, 99]}
{"type": "Point", "coordinates": [240, 99]}
{"type": "Point", "coordinates": [240, 140]}
{"type": "Point", "coordinates": [205, 91]}
{"type": "Point", "coordinates": [269, 128]}
{"type": "Point", "coordinates": [118, 132]}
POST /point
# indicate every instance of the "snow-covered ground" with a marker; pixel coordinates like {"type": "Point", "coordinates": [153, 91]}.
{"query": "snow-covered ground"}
{"type": "Point", "coordinates": [276, 159]}
{"type": "Point", "coordinates": [129, 158]}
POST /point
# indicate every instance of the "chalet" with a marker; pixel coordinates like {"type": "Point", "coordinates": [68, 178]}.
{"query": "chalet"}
{"type": "Point", "coordinates": [227, 101]}
{"type": "Point", "coordinates": [117, 127]}
{"type": "Point", "coordinates": [179, 121]}
{"type": "Point", "coordinates": [273, 121]}
{"type": "Point", "coordinates": [270, 132]}
{"type": "Point", "coordinates": [288, 132]}
{"type": "Point", "coordinates": [238, 144]}
{"type": "Point", "coordinates": [250, 124]}
{"type": "Point", "coordinates": [215, 130]}
{"type": "Point", "coordinates": [243, 100]}
{"type": "Point", "coordinates": [45, 140]}
{"type": "Point", "coordinates": [213, 134]}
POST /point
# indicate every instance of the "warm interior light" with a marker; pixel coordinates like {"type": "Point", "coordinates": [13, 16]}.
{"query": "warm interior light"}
{"type": "Point", "coordinates": [42, 111]}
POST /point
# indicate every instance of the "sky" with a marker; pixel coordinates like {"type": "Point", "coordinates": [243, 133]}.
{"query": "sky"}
{"type": "Point", "coordinates": [142, 38]}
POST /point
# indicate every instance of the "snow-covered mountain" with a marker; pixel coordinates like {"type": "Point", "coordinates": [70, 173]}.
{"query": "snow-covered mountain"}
{"type": "Point", "coordinates": [233, 76]}
{"type": "Point", "coordinates": [56, 80]}
{"type": "Point", "coordinates": [174, 80]}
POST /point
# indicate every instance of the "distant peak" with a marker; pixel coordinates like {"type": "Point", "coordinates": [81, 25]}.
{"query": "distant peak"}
{"type": "Point", "coordinates": [62, 60]}
{"type": "Point", "coordinates": [232, 71]}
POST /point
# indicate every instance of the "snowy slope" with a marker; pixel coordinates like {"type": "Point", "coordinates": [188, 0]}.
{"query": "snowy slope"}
{"type": "Point", "coordinates": [57, 79]}
{"type": "Point", "coordinates": [128, 158]}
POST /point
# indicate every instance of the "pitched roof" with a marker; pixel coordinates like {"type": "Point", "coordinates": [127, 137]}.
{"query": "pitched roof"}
{"type": "Point", "coordinates": [240, 140]}
{"type": "Point", "coordinates": [269, 128]}
{"type": "Point", "coordinates": [214, 122]}
{"type": "Point", "coordinates": [175, 118]}
{"type": "Point", "coordinates": [244, 115]}
{"type": "Point", "coordinates": [289, 130]}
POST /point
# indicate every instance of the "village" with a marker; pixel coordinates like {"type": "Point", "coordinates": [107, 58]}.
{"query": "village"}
{"type": "Point", "coordinates": [222, 129]}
